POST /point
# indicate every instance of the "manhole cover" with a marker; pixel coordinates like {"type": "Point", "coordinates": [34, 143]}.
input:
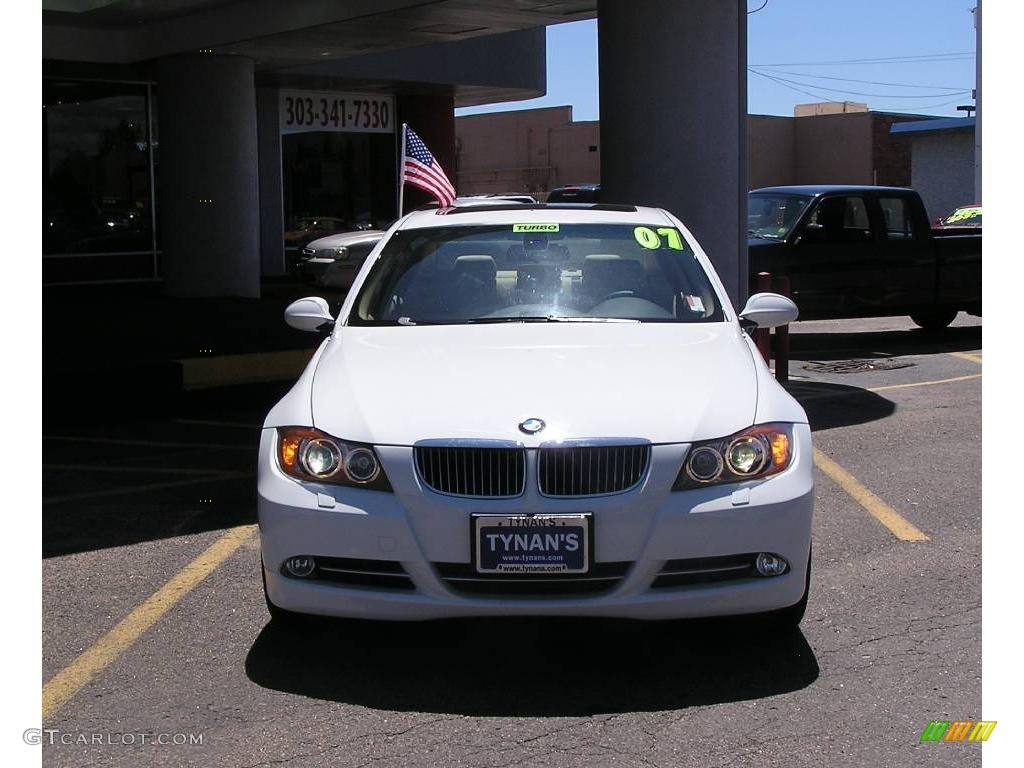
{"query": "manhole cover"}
{"type": "Point", "coordinates": [856, 366]}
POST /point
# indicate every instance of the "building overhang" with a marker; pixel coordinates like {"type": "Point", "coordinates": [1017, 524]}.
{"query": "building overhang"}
{"type": "Point", "coordinates": [938, 125]}
{"type": "Point", "coordinates": [485, 50]}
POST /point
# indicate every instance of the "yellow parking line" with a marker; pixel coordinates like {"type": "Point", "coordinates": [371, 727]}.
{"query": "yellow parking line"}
{"type": "Point", "coordinates": [966, 356]}
{"type": "Point", "coordinates": [878, 509]}
{"type": "Point", "coordinates": [128, 468]}
{"type": "Point", "coordinates": [144, 443]}
{"type": "Point", "coordinates": [250, 368]}
{"type": "Point", "coordinates": [213, 423]}
{"type": "Point", "coordinates": [93, 660]}
{"type": "Point", "coordinates": [924, 383]}
{"type": "Point", "coordinates": [126, 490]}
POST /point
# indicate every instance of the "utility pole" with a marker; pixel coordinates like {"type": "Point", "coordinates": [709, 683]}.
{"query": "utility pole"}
{"type": "Point", "coordinates": [977, 102]}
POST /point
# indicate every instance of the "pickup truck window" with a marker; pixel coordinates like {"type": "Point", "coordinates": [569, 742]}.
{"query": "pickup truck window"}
{"type": "Point", "coordinates": [838, 220]}
{"type": "Point", "coordinates": [773, 216]}
{"type": "Point", "coordinates": [899, 223]}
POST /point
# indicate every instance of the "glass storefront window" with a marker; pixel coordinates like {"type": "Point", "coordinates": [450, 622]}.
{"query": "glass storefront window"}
{"type": "Point", "coordinates": [97, 191]}
{"type": "Point", "coordinates": [336, 182]}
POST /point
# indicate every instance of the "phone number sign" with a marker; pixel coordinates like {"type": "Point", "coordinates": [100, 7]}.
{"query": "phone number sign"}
{"type": "Point", "coordinates": [304, 111]}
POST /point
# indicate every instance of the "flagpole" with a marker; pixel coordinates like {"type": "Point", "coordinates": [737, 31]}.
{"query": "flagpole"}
{"type": "Point", "coordinates": [401, 174]}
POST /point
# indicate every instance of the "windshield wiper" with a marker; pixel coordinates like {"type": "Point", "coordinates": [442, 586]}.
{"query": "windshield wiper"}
{"type": "Point", "coordinates": [594, 320]}
{"type": "Point", "coordinates": [517, 319]}
{"type": "Point", "coordinates": [513, 319]}
{"type": "Point", "coordinates": [548, 319]}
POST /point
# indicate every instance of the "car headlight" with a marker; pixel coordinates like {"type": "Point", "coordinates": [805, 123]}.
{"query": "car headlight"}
{"type": "Point", "coordinates": [341, 253]}
{"type": "Point", "coordinates": [314, 456]}
{"type": "Point", "coordinates": [754, 453]}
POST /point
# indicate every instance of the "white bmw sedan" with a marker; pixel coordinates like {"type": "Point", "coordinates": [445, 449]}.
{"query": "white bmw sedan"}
{"type": "Point", "coordinates": [537, 410]}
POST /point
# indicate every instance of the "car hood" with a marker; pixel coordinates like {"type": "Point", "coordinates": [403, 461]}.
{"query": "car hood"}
{"type": "Point", "coordinates": [664, 382]}
{"type": "Point", "coordinates": [346, 238]}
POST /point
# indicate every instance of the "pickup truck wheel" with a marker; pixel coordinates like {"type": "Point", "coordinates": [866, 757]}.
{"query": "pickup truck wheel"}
{"type": "Point", "coordinates": [934, 319]}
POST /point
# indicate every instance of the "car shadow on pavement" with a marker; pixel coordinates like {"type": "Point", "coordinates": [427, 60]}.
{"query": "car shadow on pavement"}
{"type": "Point", "coordinates": [839, 405]}
{"type": "Point", "coordinates": [874, 344]}
{"type": "Point", "coordinates": [531, 667]}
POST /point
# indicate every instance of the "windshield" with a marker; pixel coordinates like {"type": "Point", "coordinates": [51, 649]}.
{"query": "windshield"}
{"type": "Point", "coordinates": [773, 216]}
{"type": "Point", "coordinates": [969, 216]}
{"type": "Point", "coordinates": [536, 273]}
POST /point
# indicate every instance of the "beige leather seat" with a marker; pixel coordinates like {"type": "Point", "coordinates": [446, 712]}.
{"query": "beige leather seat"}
{"type": "Point", "coordinates": [475, 281]}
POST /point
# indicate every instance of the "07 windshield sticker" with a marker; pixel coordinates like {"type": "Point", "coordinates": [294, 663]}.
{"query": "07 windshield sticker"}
{"type": "Point", "coordinates": [534, 227]}
{"type": "Point", "coordinates": [652, 239]}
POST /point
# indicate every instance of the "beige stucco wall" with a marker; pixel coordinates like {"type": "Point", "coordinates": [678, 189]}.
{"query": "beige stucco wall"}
{"type": "Point", "coordinates": [524, 151]}
{"type": "Point", "coordinates": [539, 149]}
{"type": "Point", "coordinates": [770, 151]}
{"type": "Point", "coordinates": [833, 149]}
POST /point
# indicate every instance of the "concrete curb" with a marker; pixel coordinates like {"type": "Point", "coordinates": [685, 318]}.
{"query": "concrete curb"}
{"type": "Point", "coordinates": [199, 373]}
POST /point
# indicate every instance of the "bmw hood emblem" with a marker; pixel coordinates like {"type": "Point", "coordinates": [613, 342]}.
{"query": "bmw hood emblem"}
{"type": "Point", "coordinates": [531, 426]}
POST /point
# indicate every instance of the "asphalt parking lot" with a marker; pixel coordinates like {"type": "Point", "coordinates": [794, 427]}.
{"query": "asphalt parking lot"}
{"type": "Point", "coordinates": [154, 622]}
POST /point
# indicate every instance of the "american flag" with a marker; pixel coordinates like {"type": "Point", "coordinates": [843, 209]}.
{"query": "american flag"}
{"type": "Point", "coordinates": [421, 169]}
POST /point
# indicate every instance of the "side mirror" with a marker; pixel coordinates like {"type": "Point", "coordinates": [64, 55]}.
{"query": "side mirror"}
{"type": "Point", "coordinates": [309, 314]}
{"type": "Point", "coordinates": [769, 310]}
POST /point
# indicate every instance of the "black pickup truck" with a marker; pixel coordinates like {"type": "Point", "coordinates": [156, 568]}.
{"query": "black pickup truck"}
{"type": "Point", "coordinates": [863, 252]}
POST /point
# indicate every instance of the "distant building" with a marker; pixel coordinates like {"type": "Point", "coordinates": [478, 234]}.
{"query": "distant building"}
{"type": "Point", "coordinates": [537, 150]}
{"type": "Point", "coordinates": [942, 161]}
{"type": "Point", "coordinates": [829, 108]}
{"type": "Point", "coordinates": [529, 150]}
{"type": "Point", "coordinates": [822, 147]}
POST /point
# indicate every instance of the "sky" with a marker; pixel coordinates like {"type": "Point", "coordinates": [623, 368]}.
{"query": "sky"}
{"type": "Point", "coordinates": [788, 41]}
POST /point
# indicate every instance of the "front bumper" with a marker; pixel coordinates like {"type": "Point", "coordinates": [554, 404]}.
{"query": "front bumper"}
{"type": "Point", "coordinates": [312, 268]}
{"type": "Point", "coordinates": [423, 534]}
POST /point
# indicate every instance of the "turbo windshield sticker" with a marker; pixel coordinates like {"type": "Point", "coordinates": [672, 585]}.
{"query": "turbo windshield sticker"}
{"type": "Point", "coordinates": [534, 227]}
{"type": "Point", "coordinates": [651, 239]}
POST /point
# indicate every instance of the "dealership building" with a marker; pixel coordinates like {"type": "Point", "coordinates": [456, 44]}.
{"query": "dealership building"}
{"type": "Point", "coordinates": [536, 150]}
{"type": "Point", "coordinates": [192, 144]}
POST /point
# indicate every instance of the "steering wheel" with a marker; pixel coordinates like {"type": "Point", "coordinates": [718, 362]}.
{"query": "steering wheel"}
{"type": "Point", "coordinates": [617, 295]}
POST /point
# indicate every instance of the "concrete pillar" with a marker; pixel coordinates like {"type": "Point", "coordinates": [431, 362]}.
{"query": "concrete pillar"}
{"type": "Point", "coordinates": [673, 118]}
{"type": "Point", "coordinates": [432, 116]}
{"type": "Point", "coordinates": [208, 193]}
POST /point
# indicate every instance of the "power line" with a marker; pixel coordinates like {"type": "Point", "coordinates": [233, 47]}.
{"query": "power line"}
{"type": "Point", "coordinates": [919, 58]}
{"type": "Point", "coordinates": [918, 106]}
{"type": "Point", "coordinates": [749, 13]}
{"type": "Point", "coordinates": [869, 82]}
{"type": "Point", "coordinates": [859, 93]}
{"type": "Point", "coordinates": [798, 90]}
{"type": "Point", "coordinates": [828, 98]}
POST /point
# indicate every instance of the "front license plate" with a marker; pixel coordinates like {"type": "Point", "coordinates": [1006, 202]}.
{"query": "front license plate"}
{"type": "Point", "coordinates": [531, 543]}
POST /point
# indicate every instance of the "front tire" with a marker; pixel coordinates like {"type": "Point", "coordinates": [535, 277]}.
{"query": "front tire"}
{"type": "Point", "coordinates": [934, 319]}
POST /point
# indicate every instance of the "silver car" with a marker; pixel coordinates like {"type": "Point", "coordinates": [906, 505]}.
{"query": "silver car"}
{"type": "Point", "coordinates": [334, 261]}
